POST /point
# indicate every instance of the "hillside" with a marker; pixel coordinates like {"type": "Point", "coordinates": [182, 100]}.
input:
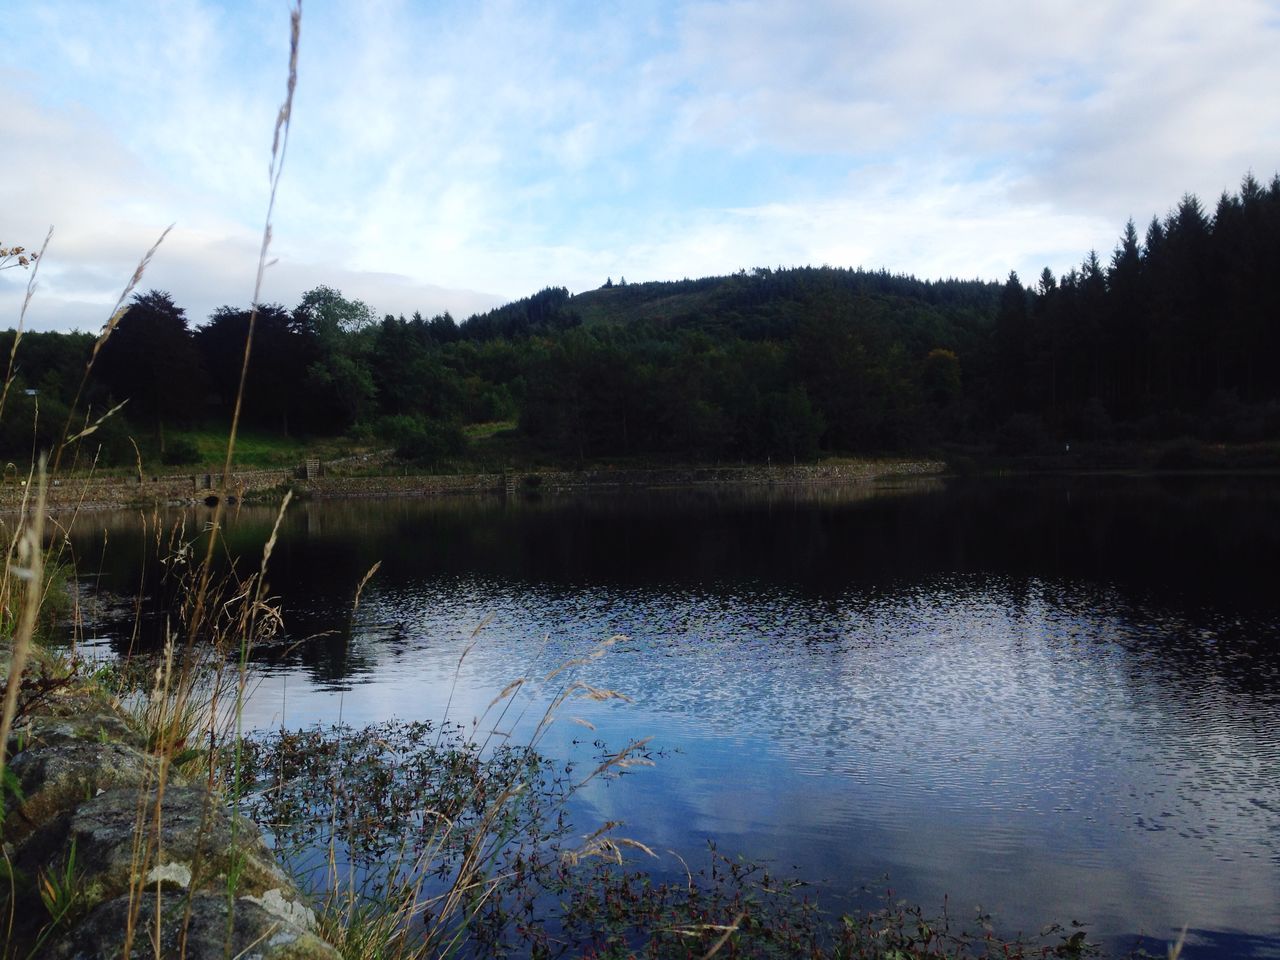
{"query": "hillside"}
{"type": "Point", "coordinates": [1169, 338]}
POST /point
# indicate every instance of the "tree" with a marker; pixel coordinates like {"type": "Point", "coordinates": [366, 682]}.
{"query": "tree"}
{"type": "Point", "coordinates": [151, 361]}
{"type": "Point", "coordinates": [339, 377]}
{"type": "Point", "coordinates": [943, 390]}
{"type": "Point", "coordinates": [1190, 297]}
{"type": "Point", "coordinates": [1012, 346]}
{"type": "Point", "coordinates": [326, 312]}
{"type": "Point", "coordinates": [275, 390]}
{"type": "Point", "coordinates": [1127, 322]}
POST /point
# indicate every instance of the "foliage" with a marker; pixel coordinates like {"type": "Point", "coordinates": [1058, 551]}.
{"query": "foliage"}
{"type": "Point", "coordinates": [43, 682]}
{"type": "Point", "coordinates": [417, 837]}
{"type": "Point", "coordinates": [274, 394]}
{"type": "Point", "coordinates": [385, 790]}
{"type": "Point", "coordinates": [1168, 336]}
{"type": "Point", "coordinates": [151, 361]}
{"type": "Point", "coordinates": [179, 451]}
{"type": "Point", "coordinates": [60, 889]}
{"type": "Point", "coordinates": [420, 440]}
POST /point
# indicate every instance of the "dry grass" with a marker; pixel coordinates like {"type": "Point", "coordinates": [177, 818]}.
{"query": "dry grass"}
{"type": "Point", "coordinates": [180, 710]}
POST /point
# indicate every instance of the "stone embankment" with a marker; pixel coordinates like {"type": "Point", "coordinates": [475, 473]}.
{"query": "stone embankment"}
{"type": "Point", "coordinates": [67, 493]}
{"type": "Point", "coordinates": [143, 856]}
{"type": "Point", "coordinates": [335, 483]}
{"type": "Point", "coordinates": [607, 479]}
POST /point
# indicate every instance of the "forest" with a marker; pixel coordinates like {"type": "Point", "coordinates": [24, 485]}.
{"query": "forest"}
{"type": "Point", "coordinates": [1174, 334]}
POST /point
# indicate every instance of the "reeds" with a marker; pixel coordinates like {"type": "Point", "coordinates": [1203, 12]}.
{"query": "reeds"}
{"type": "Point", "coordinates": [428, 833]}
{"type": "Point", "coordinates": [180, 710]}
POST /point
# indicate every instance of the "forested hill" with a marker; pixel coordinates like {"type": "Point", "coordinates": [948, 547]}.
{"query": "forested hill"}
{"type": "Point", "coordinates": [762, 304]}
{"type": "Point", "coordinates": [1173, 333]}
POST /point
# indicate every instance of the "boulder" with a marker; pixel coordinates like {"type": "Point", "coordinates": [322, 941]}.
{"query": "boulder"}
{"type": "Point", "coordinates": [201, 926]}
{"type": "Point", "coordinates": [57, 777]}
{"type": "Point", "coordinates": [117, 847]}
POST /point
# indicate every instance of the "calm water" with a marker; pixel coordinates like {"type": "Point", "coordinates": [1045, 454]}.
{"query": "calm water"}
{"type": "Point", "coordinates": [1056, 698]}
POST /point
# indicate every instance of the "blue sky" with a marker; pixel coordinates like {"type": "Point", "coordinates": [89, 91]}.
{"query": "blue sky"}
{"type": "Point", "coordinates": [454, 155]}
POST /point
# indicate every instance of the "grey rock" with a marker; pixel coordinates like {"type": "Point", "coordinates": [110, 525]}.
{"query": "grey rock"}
{"type": "Point", "coordinates": [117, 845]}
{"type": "Point", "coordinates": [85, 721]}
{"type": "Point", "coordinates": [56, 777]}
{"type": "Point", "coordinates": [88, 798]}
{"type": "Point", "coordinates": [204, 926]}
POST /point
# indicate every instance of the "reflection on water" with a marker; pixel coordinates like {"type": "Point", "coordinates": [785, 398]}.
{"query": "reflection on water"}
{"type": "Point", "coordinates": [1058, 698]}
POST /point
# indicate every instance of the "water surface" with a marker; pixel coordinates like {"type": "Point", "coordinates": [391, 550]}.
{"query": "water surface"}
{"type": "Point", "coordinates": [1058, 698]}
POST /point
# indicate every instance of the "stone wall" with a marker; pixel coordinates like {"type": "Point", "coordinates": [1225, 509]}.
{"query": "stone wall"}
{"type": "Point", "coordinates": [188, 488]}
{"type": "Point", "coordinates": [68, 492]}
{"type": "Point", "coordinates": [90, 796]}
{"type": "Point", "coordinates": [558, 481]}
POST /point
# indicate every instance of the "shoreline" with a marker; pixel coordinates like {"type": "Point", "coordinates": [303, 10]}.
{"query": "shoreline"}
{"type": "Point", "coordinates": [332, 481]}
{"type": "Point", "coordinates": [265, 486]}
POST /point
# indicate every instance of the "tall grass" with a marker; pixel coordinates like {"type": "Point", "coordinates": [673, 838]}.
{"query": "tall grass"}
{"type": "Point", "coordinates": [192, 704]}
{"type": "Point", "coordinates": [189, 700]}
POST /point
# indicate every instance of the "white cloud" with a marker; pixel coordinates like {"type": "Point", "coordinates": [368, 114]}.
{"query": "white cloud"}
{"type": "Point", "coordinates": [501, 148]}
{"type": "Point", "coordinates": [1095, 111]}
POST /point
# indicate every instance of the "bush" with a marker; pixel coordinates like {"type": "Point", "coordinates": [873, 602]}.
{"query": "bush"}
{"type": "Point", "coordinates": [1022, 433]}
{"type": "Point", "coordinates": [1185, 453]}
{"type": "Point", "coordinates": [421, 440]}
{"type": "Point", "coordinates": [179, 451]}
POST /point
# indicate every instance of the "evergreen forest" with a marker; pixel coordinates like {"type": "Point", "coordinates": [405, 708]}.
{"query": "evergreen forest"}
{"type": "Point", "coordinates": [1173, 334]}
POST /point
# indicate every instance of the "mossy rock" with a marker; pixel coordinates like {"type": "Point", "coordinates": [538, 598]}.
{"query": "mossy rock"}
{"type": "Point", "coordinates": [203, 926]}
{"type": "Point", "coordinates": [74, 719]}
{"type": "Point", "coordinates": [199, 844]}
{"type": "Point", "coordinates": [56, 778]}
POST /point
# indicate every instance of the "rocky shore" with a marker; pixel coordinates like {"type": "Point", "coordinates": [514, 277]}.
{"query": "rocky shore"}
{"type": "Point", "coordinates": [136, 851]}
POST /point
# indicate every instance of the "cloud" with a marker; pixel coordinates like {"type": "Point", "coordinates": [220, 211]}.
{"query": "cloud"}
{"type": "Point", "coordinates": [501, 148]}
{"type": "Point", "coordinates": [1093, 110]}
{"type": "Point", "coordinates": [204, 272]}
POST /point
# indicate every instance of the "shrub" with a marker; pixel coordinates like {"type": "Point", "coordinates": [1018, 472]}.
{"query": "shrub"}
{"type": "Point", "coordinates": [1022, 433]}
{"type": "Point", "coordinates": [179, 451]}
{"type": "Point", "coordinates": [422, 440]}
{"type": "Point", "coordinates": [1185, 453]}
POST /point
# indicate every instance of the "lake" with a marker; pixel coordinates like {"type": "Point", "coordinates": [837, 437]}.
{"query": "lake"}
{"type": "Point", "coordinates": [1055, 697]}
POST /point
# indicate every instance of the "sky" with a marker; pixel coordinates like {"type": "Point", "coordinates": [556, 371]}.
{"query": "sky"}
{"type": "Point", "coordinates": [456, 155]}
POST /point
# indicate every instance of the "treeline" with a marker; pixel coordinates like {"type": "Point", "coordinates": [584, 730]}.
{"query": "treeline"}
{"type": "Point", "coordinates": [1173, 334]}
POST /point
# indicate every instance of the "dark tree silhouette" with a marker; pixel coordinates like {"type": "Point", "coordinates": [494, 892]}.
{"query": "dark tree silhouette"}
{"type": "Point", "coordinates": [275, 390]}
{"type": "Point", "coordinates": [151, 360]}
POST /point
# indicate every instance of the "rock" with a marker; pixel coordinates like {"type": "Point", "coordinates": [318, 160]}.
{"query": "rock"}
{"type": "Point", "coordinates": [204, 932]}
{"type": "Point", "coordinates": [81, 719]}
{"type": "Point", "coordinates": [78, 700]}
{"type": "Point", "coordinates": [57, 776]}
{"type": "Point", "coordinates": [278, 904]}
{"type": "Point", "coordinates": [200, 844]}
{"type": "Point", "coordinates": [86, 823]}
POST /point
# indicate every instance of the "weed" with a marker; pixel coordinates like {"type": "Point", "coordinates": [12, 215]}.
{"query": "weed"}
{"type": "Point", "coordinates": [60, 888]}
{"type": "Point", "coordinates": [10, 787]}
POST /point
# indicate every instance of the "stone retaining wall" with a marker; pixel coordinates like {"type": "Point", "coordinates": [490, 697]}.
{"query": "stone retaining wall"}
{"type": "Point", "coordinates": [558, 481]}
{"type": "Point", "coordinates": [90, 797]}
{"type": "Point", "coordinates": [129, 492]}
{"type": "Point", "coordinates": [188, 488]}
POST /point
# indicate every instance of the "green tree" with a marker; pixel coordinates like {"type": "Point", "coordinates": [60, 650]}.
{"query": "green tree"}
{"type": "Point", "coordinates": [151, 361]}
{"type": "Point", "coordinates": [943, 391]}
{"type": "Point", "coordinates": [275, 390]}
{"type": "Point", "coordinates": [1013, 341]}
{"type": "Point", "coordinates": [339, 379]}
